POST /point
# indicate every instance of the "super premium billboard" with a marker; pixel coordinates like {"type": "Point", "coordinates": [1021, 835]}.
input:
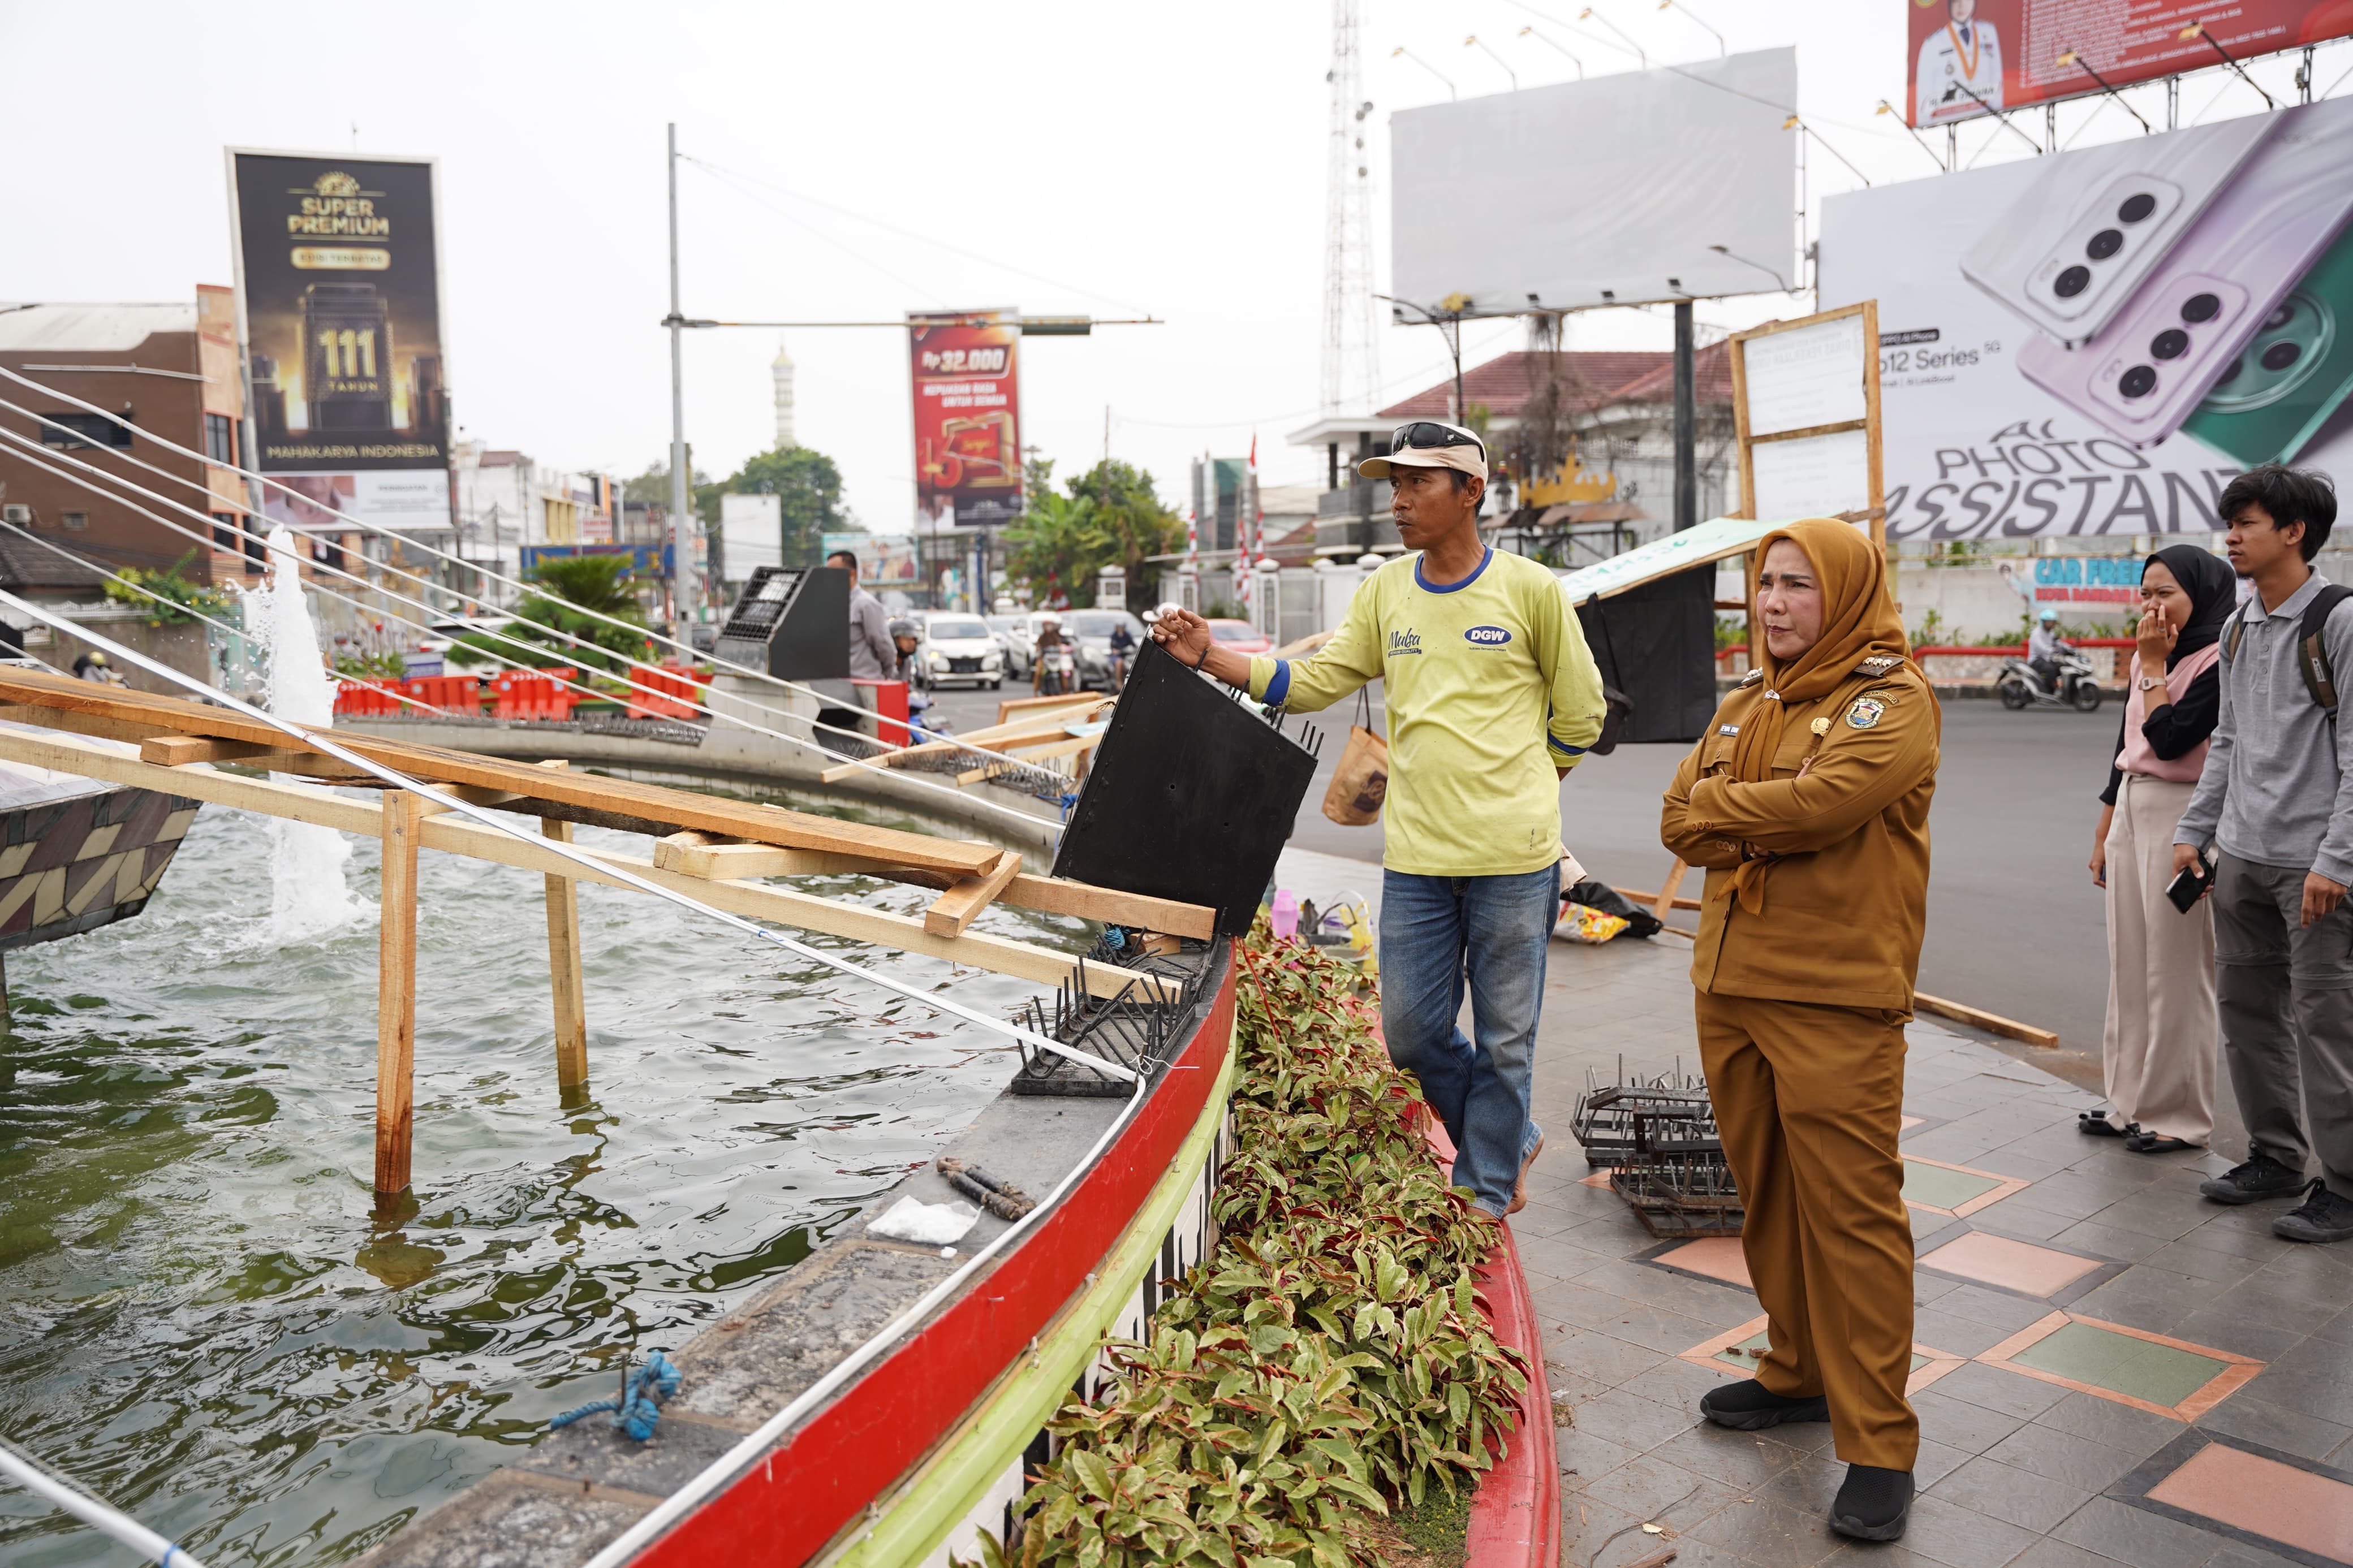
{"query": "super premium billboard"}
{"type": "Point", "coordinates": [968, 414]}
{"type": "Point", "coordinates": [339, 299]}
{"type": "Point", "coordinates": [2095, 343]}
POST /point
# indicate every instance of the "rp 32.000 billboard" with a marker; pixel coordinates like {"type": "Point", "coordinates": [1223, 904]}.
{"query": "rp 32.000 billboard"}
{"type": "Point", "coordinates": [339, 301]}
{"type": "Point", "coordinates": [1969, 56]}
{"type": "Point", "coordinates": [2095, 343]}
{"type": "Point", "coordinates": [968, 414]}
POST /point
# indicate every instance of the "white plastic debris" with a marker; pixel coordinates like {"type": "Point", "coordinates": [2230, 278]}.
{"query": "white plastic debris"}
{"type": "Point", "coordinates": [927, 1225]}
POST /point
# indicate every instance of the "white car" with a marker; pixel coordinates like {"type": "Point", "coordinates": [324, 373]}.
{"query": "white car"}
{"type": "Point", "coordinates": [959, 649]}
{"type": "Point", "coordinates": [1012, 633]}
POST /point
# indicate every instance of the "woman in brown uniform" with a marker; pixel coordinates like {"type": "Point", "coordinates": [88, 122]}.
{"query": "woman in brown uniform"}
{"type": "Point", "coordinates": [1808, 802]}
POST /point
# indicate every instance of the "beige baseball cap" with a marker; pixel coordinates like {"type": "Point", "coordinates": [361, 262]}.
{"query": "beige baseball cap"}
{"type": "Point", "coordinates": [1430, 443]}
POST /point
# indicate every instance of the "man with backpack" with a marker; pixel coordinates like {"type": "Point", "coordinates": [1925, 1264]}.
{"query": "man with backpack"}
{"type": "Point", "coordinates": [2276, 801]}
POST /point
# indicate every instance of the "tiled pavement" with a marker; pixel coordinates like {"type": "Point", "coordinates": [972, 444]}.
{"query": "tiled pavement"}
{"type": "Point", "coordinates": [2108, 1369]}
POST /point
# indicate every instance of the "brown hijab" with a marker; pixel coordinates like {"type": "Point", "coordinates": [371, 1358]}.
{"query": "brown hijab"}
{"type": "Point", "coordinates": [1859, 620]}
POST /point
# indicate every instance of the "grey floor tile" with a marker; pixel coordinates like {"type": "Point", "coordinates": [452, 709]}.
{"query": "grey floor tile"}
{"type": "Point", "coordinates": [1807, 1485]}
{"type": "Point", "coordinates": [2137, 1433]}
{"type": "Point", "coordinates": [2058, 1456]}
{"type": "Point", "coordinates": [2108, 1241]}
{"type": "Point", "coordinates": [1744, 1459]}
{"type": "Point", "coordinates": [1657, 1491]}
{"type": "Point", "coordinates": [2189, 1258]}
{"type": "Point", "coordinates": [2146, 1298]}
{"type": "Point", "coordinates": [2167, 1214]}
{"type": "Point", "coordinates": [2006, 1392]}
{"type": "Point", "coordinates": [2021, 1222]}
{"type": "Point", "coordinates": [2261, 1300]}
{"type": "Point", "coordinates": [2058, 1554]}
{"type": "Point", "coordinates": [1585, 1458]}
{"type": "Point", "coordinates": [2248, 1414]}
{"type": "Point", "coordinates": [1770, 1534]}
{"type": "Point", "coordinates": [1669, 1333]}
{"type": "Point", "coordinates": [1958, 1423]}
{"type": "Point", "coordinates": [1596, 1534]}
{"type": "Point", "coordinates": [1961, 1336]}
{"type": "Point", "coordinates": [1960, 1537]}
{"type": "Point", "coordinates": [1995, 1309]}
{"type": "Point", "coordinates": [2236, 1554]}
{"type": "Point", "coordinates": [1935, 1462]}
{"type": "Point", "coordinates": [2018, 1497]}
{"type": "Point", "coordinates": [1679, 1385]}
{"type": "Point", "coordinates": [2234, 1332]}
{"type": "Point", "coordinates": [2134, 1536]}
{"type": "Point", "coordinates": [1630, 1421]}
{"type": "Point", "coordinates": [1589, 1354]}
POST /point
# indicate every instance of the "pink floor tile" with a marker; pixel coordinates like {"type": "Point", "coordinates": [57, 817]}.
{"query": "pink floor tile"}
{"type": "Point", "coordinates": [1906, 1123]}
{"type": "Point", "coordinates": [2265, 1498]}
{"type": "Point", "coordinates": [1717, 1256]}
{"type": "Point", "coordinates": [2012, 1265]}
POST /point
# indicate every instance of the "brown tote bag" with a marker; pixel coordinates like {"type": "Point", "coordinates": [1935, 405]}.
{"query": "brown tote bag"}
{"type": "Point", "coordinates": [1362, 778]}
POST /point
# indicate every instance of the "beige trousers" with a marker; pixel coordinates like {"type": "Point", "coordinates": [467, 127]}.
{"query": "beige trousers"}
{"type": "Point", "coordinates": [2160, 1047]}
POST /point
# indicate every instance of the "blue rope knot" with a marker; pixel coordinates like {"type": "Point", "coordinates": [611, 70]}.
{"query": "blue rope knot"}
{"type": "Point", "coordinates": [637, 1415]}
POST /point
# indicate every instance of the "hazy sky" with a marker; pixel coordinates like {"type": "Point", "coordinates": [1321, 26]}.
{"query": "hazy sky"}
{"type": "Point", "coordinates": [1061, 158]}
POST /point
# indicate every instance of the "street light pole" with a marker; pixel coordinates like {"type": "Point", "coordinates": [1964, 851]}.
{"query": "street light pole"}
{"type": "Point", "coordinates": [683, 587]}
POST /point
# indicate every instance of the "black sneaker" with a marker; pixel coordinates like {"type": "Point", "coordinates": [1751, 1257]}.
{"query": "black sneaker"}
{"type": "Point", "coordinates": [2260, 1178]}
{"type": "Point", "coordinates": [1749, 1407]}
{"type": "Point", "coordinates": [2322, 1216]}
{"type": "Point", "coordinates": [1872, 1503]}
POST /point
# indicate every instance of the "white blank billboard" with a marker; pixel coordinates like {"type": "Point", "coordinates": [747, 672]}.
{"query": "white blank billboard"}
{"type": "Point", "coordinates": [1599, 192]}
{"type": "Point", "coordinates": [753, 527]}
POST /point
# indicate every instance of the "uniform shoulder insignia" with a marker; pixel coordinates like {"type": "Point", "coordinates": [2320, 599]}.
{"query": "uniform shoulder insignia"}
{"type": "Point", "coordinates": [1879, 663]}
{"type": "Point", "coordinates": [1752, 678]}
{"type": "Point", "coordinates": [1866, 713]}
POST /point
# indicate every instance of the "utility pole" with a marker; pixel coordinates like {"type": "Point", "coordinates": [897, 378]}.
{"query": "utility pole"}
{"type": "Point", "coordinates": [683, 587]}
{"type": "Point", "coordinates": [1686, 423]}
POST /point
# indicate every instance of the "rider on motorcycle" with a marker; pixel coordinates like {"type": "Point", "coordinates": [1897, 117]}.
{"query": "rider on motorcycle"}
{"type": "Point", "coordinates": [1046, 678]}
{"type": "Point", "coordinates": [2042, 649]}
{"type": "Point", "coordinates": [1123, 648]}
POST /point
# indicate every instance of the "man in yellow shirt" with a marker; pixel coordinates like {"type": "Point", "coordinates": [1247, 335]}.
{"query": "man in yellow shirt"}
{"type": "Point", "coordinates": [1491, 697]}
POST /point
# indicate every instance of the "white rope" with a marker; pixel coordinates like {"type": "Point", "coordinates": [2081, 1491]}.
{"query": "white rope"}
{"type": "Point", "coordinates": [322, 742]}
{"type": "Point", "coordinates": [91, 1511]}
{"type": "Point", "coordinates": [422, 547]}
{"type": "Point", "coordinates": [321, 567]}
{"type": "Point", "coordinates": [428, 585]}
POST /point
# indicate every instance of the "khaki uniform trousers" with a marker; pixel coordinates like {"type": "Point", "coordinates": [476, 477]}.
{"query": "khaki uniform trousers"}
{"type": "Point", "coordinates": [1808, 1100]}
{"type": "Point", "coordinates": [2162, 1029]}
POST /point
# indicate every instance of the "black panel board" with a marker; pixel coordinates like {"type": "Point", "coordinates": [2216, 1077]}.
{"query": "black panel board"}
{"type": "Point", "coordinates": [1191, 795]}
{"type": "Point", "coordinates": [1657, 644]}
{"type": "Point", "coordinates": [793, 620]}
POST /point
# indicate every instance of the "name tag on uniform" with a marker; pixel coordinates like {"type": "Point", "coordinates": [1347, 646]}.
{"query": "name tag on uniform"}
{"type": "Point", "coordinates": [1727, 728]}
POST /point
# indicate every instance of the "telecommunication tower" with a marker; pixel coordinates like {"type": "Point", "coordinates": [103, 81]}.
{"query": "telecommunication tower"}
{"type": "Point", "coordinates": [1352, 372]}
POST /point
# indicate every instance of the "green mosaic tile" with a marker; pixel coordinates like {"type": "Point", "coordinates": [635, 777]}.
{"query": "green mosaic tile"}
{"type": "Point", "coordinates": [1939, 1188]}
{"type": "Point", "coordinates": [2122, 1364]}
{"type": "Point", "coordinates": [1732, 1355]}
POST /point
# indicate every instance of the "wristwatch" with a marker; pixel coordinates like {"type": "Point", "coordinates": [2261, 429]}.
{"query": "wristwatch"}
{"type": "Point", "coordinates": [2149, 682]}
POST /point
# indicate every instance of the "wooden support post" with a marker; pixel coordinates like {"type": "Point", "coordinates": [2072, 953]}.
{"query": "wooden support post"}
{"type": "Point", "coordinates": [1668, 889]}
{"type": "Point", "coordinates": [396, 996]}
{"type": "Point", "coordinates": [563, 971]}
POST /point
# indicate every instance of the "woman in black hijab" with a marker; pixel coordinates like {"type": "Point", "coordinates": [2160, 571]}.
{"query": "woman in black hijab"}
{"type": "Point", "coordinates": [2160, 1049]}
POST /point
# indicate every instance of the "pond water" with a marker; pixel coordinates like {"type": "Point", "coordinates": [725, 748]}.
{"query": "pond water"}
{"type": "Point", "coordinates": [203, 1322]}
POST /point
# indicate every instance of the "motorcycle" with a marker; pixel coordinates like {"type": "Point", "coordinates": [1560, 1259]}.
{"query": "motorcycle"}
{"type": "Point", "coordinates": [2021, 686]}
{"type": "Point", "coordinates": [1057, 671]}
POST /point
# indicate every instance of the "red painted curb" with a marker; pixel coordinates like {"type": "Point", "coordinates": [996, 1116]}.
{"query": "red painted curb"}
{"type": "Point", "coordinates": [1516, 1513]}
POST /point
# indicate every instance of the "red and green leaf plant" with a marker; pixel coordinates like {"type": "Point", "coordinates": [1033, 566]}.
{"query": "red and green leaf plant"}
{"type": "Point", "coordinates": [1329, 1360]}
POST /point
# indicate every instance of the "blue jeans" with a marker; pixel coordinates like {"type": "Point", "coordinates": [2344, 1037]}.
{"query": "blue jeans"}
{"type": "Point", "coordinates": [1437, 934]}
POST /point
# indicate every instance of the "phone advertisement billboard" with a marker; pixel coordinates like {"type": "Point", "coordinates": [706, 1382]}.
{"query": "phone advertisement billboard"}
{"type": "Point", "coordinates": [2095, 343]}
{"type": "Point", "coordinates": [1969, 56]}
{"type": "Point", "coordinates": [338, 304]}
{"type": "Point", "coordinates": [968, 414]}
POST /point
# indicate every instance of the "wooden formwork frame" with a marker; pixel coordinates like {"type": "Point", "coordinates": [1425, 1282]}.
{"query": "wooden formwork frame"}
{"type": "Point", "coordinates": [719, 857]}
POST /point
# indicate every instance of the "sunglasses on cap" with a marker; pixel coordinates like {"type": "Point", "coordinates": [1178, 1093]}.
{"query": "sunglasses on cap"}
{"type": "Point", "coordinates": [1428, 433]}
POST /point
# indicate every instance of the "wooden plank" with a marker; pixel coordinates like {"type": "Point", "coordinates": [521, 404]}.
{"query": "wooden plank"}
{"type": "Point", "coordinates": [563, 971]}
{"type": "Point", "coordinates": [183, 751]}
{"type": "Point", "coordinates": [1065, 748]}
{"type": "Point", "coordinates": [1668, 889]}
{"type": "Point", "coordinates": [80, 723]}
{"type": "Point", "coordinates": [396, 996]}
{"type": "Point", "coordinates": [1008, 706]}
{"type": "Point", "coordinates": [1629, 895]}
{"type": "Point", "coordinates": [59, 702]}
{"type": "Point", "coordinates": [1992, 1023]}
{"type": "Point", "coordinates": [296, 803]}
{"type": "Point", "coordinates": [1807, 432]}
{"type": "Point", "coordinates": [955, 910]}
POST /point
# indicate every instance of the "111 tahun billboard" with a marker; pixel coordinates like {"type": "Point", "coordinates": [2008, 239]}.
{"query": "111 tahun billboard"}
{"type": "Point", "coordinates": [339, 308]}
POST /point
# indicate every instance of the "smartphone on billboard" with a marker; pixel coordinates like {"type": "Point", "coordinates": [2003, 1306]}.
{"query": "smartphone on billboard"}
{"type": "Point", "coordinates": [2068, 254]}
{"type": "Point", "coordinates": [2294, 373]}
{"type": "Point", "coordinates": [2147, 372]}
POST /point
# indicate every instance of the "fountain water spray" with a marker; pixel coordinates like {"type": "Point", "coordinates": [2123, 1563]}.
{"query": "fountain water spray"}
{"type": "Point", "coordinates": [308, 895]}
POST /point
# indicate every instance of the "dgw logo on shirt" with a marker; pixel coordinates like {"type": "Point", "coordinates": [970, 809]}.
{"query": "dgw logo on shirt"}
{"type": "Point", "coordinates": [1486, 636]}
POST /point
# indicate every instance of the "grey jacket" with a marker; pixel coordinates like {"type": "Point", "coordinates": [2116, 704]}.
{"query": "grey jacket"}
{"type": "Point", "coordinates": [2275, 786]}
{"type": "Point", "coordinates": [872, 655]}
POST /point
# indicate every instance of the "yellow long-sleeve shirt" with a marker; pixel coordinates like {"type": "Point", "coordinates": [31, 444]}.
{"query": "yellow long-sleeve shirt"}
{"type": "Point", "coordinates": [1491, 688]}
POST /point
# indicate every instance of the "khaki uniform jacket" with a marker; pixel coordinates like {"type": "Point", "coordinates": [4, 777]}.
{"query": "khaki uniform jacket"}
{"type": "Point", "coordinates": [1844, 818]}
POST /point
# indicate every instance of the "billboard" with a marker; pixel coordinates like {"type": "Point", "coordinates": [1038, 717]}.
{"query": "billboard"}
{"type": "Point", "coordinates": [2219, 331]}
{"type": "Point", "coordinates": [884, 559]}
{"type": "Point", "coordinates": [1967, 57]}
{"type": "Point", "coordinates": [968, 414]}
{"type": "Point", "coordinates": [754, 529]}
{"type": "Point", "coordinates": [1692, 198]}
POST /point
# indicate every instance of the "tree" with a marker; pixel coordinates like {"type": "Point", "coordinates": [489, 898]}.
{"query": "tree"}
{"type": "Point", "coordinates": [1111, 516]}
{"type": "Point", "coordinates": [808, 488]}
{"type": "Point", "coordinates": [569, 584]}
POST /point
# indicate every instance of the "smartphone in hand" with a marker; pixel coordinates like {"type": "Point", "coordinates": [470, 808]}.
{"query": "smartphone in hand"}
{"type": "Point", "coordinates": [2190, 886]}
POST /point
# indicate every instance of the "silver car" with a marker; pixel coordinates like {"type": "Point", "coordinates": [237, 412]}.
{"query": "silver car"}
{"type": "Point", "coordinates": [959, 649]}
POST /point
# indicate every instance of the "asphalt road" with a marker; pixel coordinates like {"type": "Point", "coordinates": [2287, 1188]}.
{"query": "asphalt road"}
{"type": "Point", "coordinates": [2014, 924]}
